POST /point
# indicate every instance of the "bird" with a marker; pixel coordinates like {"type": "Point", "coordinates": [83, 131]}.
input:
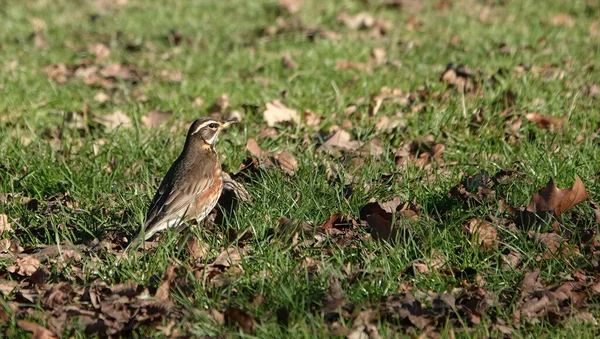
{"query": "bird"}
{"type": "Point", "coordinates": [193, 184]}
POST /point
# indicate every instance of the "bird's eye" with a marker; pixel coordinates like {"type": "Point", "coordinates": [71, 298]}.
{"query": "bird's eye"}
{"type": "Point", "coordinates": [213, 125]}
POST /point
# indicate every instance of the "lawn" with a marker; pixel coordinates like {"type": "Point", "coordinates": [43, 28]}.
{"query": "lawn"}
{"type": "Point", "coordinates": [404, 168]}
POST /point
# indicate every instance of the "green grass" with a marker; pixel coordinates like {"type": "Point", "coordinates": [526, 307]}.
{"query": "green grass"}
{"type": "Point", "coordinates": [110, 176]}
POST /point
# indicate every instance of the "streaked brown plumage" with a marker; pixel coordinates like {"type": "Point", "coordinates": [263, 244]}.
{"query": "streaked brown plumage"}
{"type": "Point", "coordinates": [193, 184]}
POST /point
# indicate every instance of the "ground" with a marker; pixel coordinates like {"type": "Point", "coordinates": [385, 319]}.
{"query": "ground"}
{"type": "Point", "coordinates": [404, 168]}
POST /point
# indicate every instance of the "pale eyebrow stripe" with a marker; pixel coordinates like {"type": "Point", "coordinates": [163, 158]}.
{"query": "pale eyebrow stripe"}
{"type": "Point", "coordinates": [203, 125]}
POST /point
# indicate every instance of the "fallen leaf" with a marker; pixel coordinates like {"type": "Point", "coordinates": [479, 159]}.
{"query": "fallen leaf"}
{"type": "Point", "coordinates": [235, 316]}
{"type": "Point", "coordinates": [339, 140]}
{"type": "Point", "coordinates": [358, 21]}
{"type": "Point", "coordinates": [563, 19]}
{"type": "Point", "coordinates": [155, 118]}
{"type": "Point", "coordinates": [162, 292]}
{"type": "Point", "coordinates": [292, 6]}
{"type": "Point", "coordinates": [553, 199]}
{"type": "Point", "coordinates": [277, 112]}
{"type": "Point", "coordinates": [39, 332]}
{"type": "Point", "coordinates": [511, 260]}
{"type": "Point", "coordinates": [310, 118]}
{"type": "Point", "coordinates": [594, 29]}
{"type": "Point", "coordinates": [198, 249]}
{"type": "Point", "coordinates": [228, 258]}
{"type": "Point", "coordinates": [544, 121]}
{"type": "Point", "coordinates": [379, 56]}
{"type": "Point", "coordinates": [7, 286]}
{"type": "Point", "coordinates": [99, 50]}
{"type": "Point", "coordinates": [27, 265]}
{"type": "Point", "coordinates": [115, 120]}
{"type": "Point", "coordinates": [531, 283]}
{"type": "Point", "coordinates": [483, 234]}
{"type": "Point", "coordinates": [288, 62]}
{"type": "Point", "coordinates": [287, 162]}
{"type": "Point", "coordinates": [4, 224]}
{"type": "Point", "coordinates": [253, 148]}
{"type": "Point", "coordinates": [458, 76]}
{"type": "Point", "coordinates": [101, 97]}
{"type": "Point", "coordinates": [39, 40]}
{"type": "Point", "coordinates": [357, 66]}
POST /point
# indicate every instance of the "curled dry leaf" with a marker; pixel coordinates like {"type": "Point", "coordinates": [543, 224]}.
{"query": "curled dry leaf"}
{"type": "Point", "coordinates": [39, 332]}
{"type": "Point", "coordinates": [238, 189]}
{"type": "Point", "coordinates": [228, 258]}
{"type": "Point", "coordinates": [357, 66]}
{"type": "Point", "coordinates": [458, 76]}
{"type": "Point", "coordinates": [115, 120]}
{"type": "Point", "coordinates": [483, 234]}
{"type": "Point", "coordinates": [235, 316]}
{"type": "Point", "coordinates": [563, 19]}
{"type": "Point", "coordinates": [4, 224]}
{"type": "Point", "coordinates": [253, 148]}
{"type": "Point", "coordinates": [197, 248]}
{"type": "Point", "coordinates": [358, 21]}
{"type": "Point", "coordinates": [25, 266]}
{"type": "Point", "coordinates": [544, 121]}
{"type": "Point", "coordinates": [288, 62]}
{"type": "Point", "coordinates": [162, 292]}
{"type": "Point", "coordinates": [287, 162]}
{"type": "Point", "coordinates": [553, 199]}
{"type": "Point", "coordinates": [155, 118]}
{"type": "Point", "coordinates": [310, 118]}
{"type": "Point", "coordinates": [99, 50]}
{"type": "Point", "coordinates": [339, 140]}
{"type": "Point", "coordinates": [277, 112]}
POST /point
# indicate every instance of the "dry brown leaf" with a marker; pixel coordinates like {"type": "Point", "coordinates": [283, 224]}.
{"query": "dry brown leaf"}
{"type": "Point", "coordinates": [358, 21]}
{"type": "Point", "coordinates": [162, 292]}
{"type": "Point", "coordinates": [228, 258]}
{"type": "Point", "coordinates": [483, 234]}
{"type": "Point", "coordinates": [511, 260]}
{"type": "Point", "coordinates": [563, 19]}
{"type": "Point", "coordinates": [340, 140]}
{"type": "Point", "coordinates": [458, 76]}
{"type": "Point", "coordinates": [287, 162]}
{"type": "Point", "coordinates": [277, 112]}
{"type": "Point", "coordinates": [594, 29]}
{"type": "Point", "coordinates": [115, 120]}
{"type": "Point", "coordinates": [288, 62]}
{"type": "Point", "coordinates": [310, 118]}
{"type": "Point", "coordinates": [292, 6]}
{"type": "Point", "coordinates": [39, 40]}
{"type": "Point", "coordinates": [235, 316]}
{"type": "Point", "coordinates": [552, 241]}
{"type": "Point", "coordinates": [253, 148]}
{"type": "Point", "coordinates": [379, 56]}
{"type": "Point", "coordinates": [544, 121]}
{"type": "Point", "coordinates": [357, 66]}
{"type": "Point", "coordinates": [553, 199]}
{"type": "Point", "coordinates": [99, 50]}
{"type": "Point", "coordinates": [531, 283]}
{"type": "Point", "coordinates": [4, 224]}
{"type": "Point", "coordinates": [101, 97]}
{"type": "Point", "coordinates": [198, 249]}
{"type": "Point", "coordinates": [155, 118]}
{"type": "Point", "coordinates": [39, 332]}
{"type": "Point", "coordinates": [26, 265]}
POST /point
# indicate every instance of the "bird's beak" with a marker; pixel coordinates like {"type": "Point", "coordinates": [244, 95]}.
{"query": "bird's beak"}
{"type": "Point", "coordinates": [228, 123]}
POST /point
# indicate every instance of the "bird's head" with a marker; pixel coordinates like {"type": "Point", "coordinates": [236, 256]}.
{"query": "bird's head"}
{"type": "Point", "coordinates": [204, 132]}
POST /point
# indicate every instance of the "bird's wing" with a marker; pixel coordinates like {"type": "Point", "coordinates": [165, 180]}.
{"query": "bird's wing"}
{"type": "Point", "coordinates": [175, 195]}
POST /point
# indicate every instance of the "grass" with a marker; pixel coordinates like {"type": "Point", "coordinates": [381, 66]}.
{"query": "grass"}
{"type": "Point", "coordinates": [110, 176]}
